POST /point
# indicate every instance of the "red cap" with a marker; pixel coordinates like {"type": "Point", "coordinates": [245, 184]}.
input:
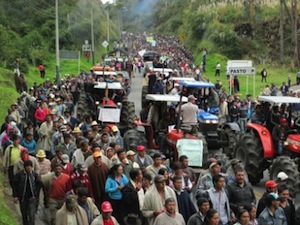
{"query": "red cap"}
{"type": "Point", "coordinates": [282, 120]}
{"type": "Point", "coordinates": [106, 207]}
{"type": "Point", "coordinates": [271, 184]}
{"type": "Point", "coordinates": [140, 148]}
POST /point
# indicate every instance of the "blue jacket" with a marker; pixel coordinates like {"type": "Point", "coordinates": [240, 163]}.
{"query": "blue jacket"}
{"type": "Point", "coordinates": [31, 146]}
{"type": "Point", "coordinates": [277, 219]}
{"type": "Point", "coordinates": [111, 187]}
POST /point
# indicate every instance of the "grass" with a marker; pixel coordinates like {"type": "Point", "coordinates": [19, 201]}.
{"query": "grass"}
{"type": "Point", "coordinates": [276, 75]}
{"type": "Point", "coordinates": [6, 217]}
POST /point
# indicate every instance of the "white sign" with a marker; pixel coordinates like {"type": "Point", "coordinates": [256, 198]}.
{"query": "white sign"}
{"type": "Point", "coordinates": [193, 149]}
{"type": "Point", "coordinates": [105, 44]}
{"type": "Point", "coordinates": [109, 115]}
{"type": "Point", "coordinates": [239, 63]}
{"type": "Point", "coordinates": [234, 71]}
{"type": "Point", "coordinates": [87, 48]}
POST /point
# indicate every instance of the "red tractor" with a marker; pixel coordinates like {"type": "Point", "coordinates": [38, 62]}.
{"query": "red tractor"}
{"type": "Point", "coordinates": [257, 150]}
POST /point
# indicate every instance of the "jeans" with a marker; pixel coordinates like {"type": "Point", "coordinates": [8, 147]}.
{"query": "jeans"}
{"type": "Point", "coordinates": [243, 122]}
{"type": "Point", "coordinates": [28, 209]}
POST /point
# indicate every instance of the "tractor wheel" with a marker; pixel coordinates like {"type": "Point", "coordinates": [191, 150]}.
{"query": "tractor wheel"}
{"type": "Point", "coordinates": [127, 117]}
{"type": "Point", "coordinates": [287, 165]}
{"type": "Point", "coordinates": [231, 137]}
{"type": "Point", "coordinates": [133, 138]}
{"type": "Point", "coordinates": [249, 150]}
{"type": "Point", "coordinates": [144, 93]}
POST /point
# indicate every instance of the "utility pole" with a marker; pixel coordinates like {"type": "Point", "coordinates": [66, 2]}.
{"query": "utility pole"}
{"type": "Point", "coordinates": [281, 24]}
{"type": "Point", "coordinates": [107, 26]}
{"type": "Point", "coordinates": [92, 37]}
{"type": "Point", "coordinates": [57, 44]}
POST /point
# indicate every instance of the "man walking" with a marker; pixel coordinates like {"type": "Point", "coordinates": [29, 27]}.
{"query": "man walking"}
{"type": "Point", "coordinates": [26, 191]}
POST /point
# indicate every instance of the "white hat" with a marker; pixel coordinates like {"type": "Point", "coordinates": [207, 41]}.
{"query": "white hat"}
{"type": "Point", "coordinates": [176, 85]}
{"type": "Point", "coordinates": [65, 158]}
{"type": "Point", "coordinates": [192, 97]}
{"type": "Point", "coordinates": [282, 176]}
{"type": "Point", "coordinates": [94, 123]}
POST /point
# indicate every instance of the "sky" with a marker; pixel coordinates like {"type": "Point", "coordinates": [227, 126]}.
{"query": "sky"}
{"type": "Point", "coordinates": [105, 1]}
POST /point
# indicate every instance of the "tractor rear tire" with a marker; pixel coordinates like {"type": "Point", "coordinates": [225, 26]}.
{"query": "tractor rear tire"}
{"type": "Point", "coordinates": [133, 138]}
{"type": "Point", "coordinates": [127, 117]}
{"type": "Point", "coordinates": [144, 93]}
{"type": "Point", "coordinates": [287, 165]}
{"type": "Point", "coordinates": [232, 137]}
{"type": "Point", "coordinates": [249, 150]}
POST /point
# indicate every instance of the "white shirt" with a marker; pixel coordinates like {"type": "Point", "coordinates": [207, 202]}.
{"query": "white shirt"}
{"type": "Point", "coordinates": [71, 218]}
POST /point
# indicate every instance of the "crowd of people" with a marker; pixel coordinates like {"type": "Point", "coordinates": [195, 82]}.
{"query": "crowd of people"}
{"type": "Point", "coordinates": [78, 172]}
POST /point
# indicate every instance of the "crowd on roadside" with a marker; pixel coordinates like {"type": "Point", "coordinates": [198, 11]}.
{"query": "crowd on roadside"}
{"type": "Point", "coordinates": [78, 172]}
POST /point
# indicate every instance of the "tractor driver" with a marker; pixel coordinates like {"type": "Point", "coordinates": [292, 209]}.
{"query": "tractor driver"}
{"type": "Point", "coordinates": [279, 134]}
{"type": "Point", "coordinates": [258, 116]}
{"type": "Point", "coordinates": [189, 113]}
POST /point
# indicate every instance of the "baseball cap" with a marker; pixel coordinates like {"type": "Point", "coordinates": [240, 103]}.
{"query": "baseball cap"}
{"type": "Point", "coordinates": [274, 197]}
{"type": "Point", "coordinates": [282, 176]}
{"type": "Point", "coordinates": [163, 156]}
{"type": "Point", "coordinates": [130, 152]}
{"type": "Point", "coordinates": [63, 128]}
{"type": "Point", "coordinates": [192, 97]}
{"type": "Point", "coordinates": [97, 154]}
{"type": "Point", "coordinates": [140, 148]}
{"type": "Point", "coordinates": [213, 164]}
{"type": "Point", "coordinates": [106, 207]}
{"type": "Point", "coordinates": [65, 158]}
{"type": "Point", "coordinates": [81, 167]}
{"type": "Point", "coordinates": [282, 120]}
{"type": "Point", "coordinates": [235, 161]}
{"type": "Point", "coordinates": [115, 129]}
{"type": "Point", "coordinates": [271, 184]}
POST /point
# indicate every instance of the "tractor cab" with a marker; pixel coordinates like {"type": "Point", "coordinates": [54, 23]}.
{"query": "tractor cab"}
{"type": "Point", "coordinates": [208, 123]}
{"type": "Point", "coordinates": [258, 149]}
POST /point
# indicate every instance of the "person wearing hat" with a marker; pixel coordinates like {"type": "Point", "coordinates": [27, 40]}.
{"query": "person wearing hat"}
{"type": "Point", "coordinates": [189, 113]}
{"type": "Point", "coordinates": [98, 173]}
{"type": "Point", "coordinates": [240, 193]}
{"type": "Point", "coordinates": [71, 213]}
{"type": "Point", "coordinates": [45, 140]}
{"type": "Point", "coordinates": [198, 217]}
{"type": "Point", "coordinates": [130, 156]}
{"type": "Point", "coordinates": [234, 163]}
{"type": "Point", "coordinates": [44, 163]}
{"type": "Point", "coordinates": [58, 135]}
{"type": "Point", "coordinates": [156, 165]}
{"type": "Point", "coordinates": [142, 158]}
{"type": "Point", "coordinates": [56, 186]}
{"type": "Point", "coordinates": [272, 213]}
{"type": "Point", "coordinates": [270, 186]}
{"type": "Point", "coordinates": [279, 134]}
{"type": "Point", "coordinates": [170, 216]}
{"type": "Point", "coordinates": [175, 90]}
{"type": "Point", "coordinates": [206, 182]}
{"type": "Point", "coordinates": [69, 105]}
{"type": "Point", "coordinates": [116, 136]}
{"type": "Point", "coordinates": [60, 107]}
{"type": "Point", "coordinates": [87, 204]}
{"type": "Point", "coordinates": [67, 167]}
{"type": "Point", "coordinates": [155, 198]}
{"type": "Point", "coordinates": [106, 215]}
{"type": "Point", "coordinates": [80, 174]}
{"type": "Point", "coordinates": [95, 130]}
{"type": "Point", "coordinates": [76, 133]}
{"type": "Point", "coordinates": [90, 160]}
{"type": "Point", "coordinates": [26, 187]}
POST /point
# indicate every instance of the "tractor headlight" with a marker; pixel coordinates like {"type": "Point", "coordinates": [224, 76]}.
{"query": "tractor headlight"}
{"type": "Point", "coordinates": [211, 121]}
